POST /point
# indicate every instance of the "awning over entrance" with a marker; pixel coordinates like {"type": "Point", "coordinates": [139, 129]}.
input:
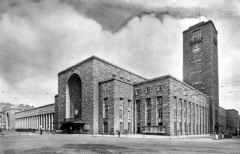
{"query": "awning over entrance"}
{"type": "Point", "coordinates": [72, 126]}
{"type": "Point", "coordinates": [73, 122]}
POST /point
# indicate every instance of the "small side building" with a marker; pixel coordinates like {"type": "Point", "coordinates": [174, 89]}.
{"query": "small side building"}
{"type": "Point", "coordinates": [222, 120]}
{"type": "Point", "coordinates": [232, 120]}
{"type": "Point", "coordinates": [168, 106]}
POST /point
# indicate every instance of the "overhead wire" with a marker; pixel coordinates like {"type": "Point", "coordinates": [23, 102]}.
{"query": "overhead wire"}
{"type": "Point", "coordinates": [23, 61]}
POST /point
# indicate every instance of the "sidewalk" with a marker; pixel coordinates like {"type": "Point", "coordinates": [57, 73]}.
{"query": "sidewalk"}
{"type": "Point", "coordinates": [14, 133]}
{"type": "Point", "coordinates": [155, 136]}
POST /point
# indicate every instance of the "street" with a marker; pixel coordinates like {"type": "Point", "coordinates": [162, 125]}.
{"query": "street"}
{"type": "Point", "coordinates": [12, 143]}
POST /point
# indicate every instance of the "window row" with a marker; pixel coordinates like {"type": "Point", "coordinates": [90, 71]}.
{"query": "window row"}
{"type": "Point", "coordinates": [159, 108]}
{"type": "Point", "coordinates": [121, 127]}
{"type": "Point", "coordinates": [121, 77]}
{"type": "Point", "coordinates": [121, 103]}
{"type": "Point", "coordinates": [157, 88]}
{"type": "Point", "coordinates": [183, 107]}
{"type": "Point", "coordinates": [121, 114]}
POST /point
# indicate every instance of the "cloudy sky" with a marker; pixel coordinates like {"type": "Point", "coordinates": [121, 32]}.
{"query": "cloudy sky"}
{"type": "Point", "coordinates": [39, 38]}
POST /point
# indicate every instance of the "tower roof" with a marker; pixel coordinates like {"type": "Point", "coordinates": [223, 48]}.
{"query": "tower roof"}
{"type": "Point", "coordinates": [201, 24]}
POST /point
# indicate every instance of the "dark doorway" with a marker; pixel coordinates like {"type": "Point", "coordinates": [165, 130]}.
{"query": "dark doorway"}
{"type": "Point", "coordinates": [105, 127]}
{"type": "Point", "coordinates": [138, 129]}
{"type": "Point", "coordinates": [72, 128]}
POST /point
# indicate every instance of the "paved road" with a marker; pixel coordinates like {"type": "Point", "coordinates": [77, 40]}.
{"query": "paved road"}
{"type": "Point", "coordinates": [75, 144]}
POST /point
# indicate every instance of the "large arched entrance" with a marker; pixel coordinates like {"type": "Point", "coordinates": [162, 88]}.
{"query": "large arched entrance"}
{"type": "Point", "coordinates": [73, 122]}
{"type": "Point", "coordinates": [75, 96]}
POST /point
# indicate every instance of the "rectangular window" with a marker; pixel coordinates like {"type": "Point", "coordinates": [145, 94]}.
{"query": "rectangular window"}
{"type": "Point", "coordinates": [159, 87]}
{"type": "Point", "coordinates": [137, 92]}
{"type": "Point", "coordinates": [129, 103]}
{"type": "Point", "coordinates": [138, 109]}
{"type": "Point", "coordinates": [148, 102]}
{"type": "Point", "coordinates": [190, 111]}
{"type": "Point", "coordinates": [148, 114]}
{"type": "Point", "coordinates": [159, 102]}
{"type": "Point", "coordinates": [121, 102]}
{"type": "Point", "coordinates": [185, 104]}
{"type": "Point", "coordinates": [216, 115]}
{"type": "Point", "coordinates": [159, 113]}
{"type": "Point", "coordinates": [147, 90]}
{"type": "Point", "coordinates": [121, 114]}
{"type": "Point", "coordinates": [175, 107]}
{"type": "Point", "coordinates": [121, 127]}
{"type": "Point", "coordinates": [105, 100]}
{"type": "Point", "coordinates": [121, 76]}
{"type": "Point", "coordinates": [129, 115]}
{"type": "Point", "coordinates": [197, 111]}
{"type": "Point", "coordinates": [129, 127]}
{"type": "Point", "coordinates": [106, 111]}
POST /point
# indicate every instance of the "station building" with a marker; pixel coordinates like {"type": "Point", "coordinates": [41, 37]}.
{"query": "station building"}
{"type": "Point", "coordinates": [96, 96]}
{"type": "Point", "coordinates": [99, 97]}
{"type": "Point", "coordinates": [232, 120]}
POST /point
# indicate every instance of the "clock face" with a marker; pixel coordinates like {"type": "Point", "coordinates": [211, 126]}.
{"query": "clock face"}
{"type": "Point", "coordinates": [196, 48]}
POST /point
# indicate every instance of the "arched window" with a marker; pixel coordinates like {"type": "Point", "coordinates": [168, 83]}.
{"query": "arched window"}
{"type": "Point", "coordinates": [74, 97]}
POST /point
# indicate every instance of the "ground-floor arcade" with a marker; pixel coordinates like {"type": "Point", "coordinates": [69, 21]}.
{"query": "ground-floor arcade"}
{"type": "Point", "coordinates": [36, 118]}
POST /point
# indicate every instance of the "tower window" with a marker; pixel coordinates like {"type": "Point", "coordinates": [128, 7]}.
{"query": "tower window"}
{"type": "Point", "coordinates": [196, 35]}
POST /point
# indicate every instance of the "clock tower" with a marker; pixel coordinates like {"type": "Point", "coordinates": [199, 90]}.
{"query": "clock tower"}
{"type": "Point", "coordinates": [200, 65]}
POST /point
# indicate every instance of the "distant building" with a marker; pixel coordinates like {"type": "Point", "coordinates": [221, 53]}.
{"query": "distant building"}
{"type": "Point", "coordinates": [10, 117]}
{"type": "Point", "coordinates": [222, 119]}
{"type": "Point", "coordinates": [2, 120]}
{"type": "Point", "coordinates": [232, 120]}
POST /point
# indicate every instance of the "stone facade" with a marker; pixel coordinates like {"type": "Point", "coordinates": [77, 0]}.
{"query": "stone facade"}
{"type": "Point", "coordinates": [171, 107]}
{"type": "Point", "coordinates": [36, 118]}
{"type": "Point", "coordinates": [232, 121]}
{"type": "Point", "coordinates": [115, 106]}
{"type": "Point", "coordinates": [222, 119]}
{"type": "Point", "coordinates": [109, 103]}
{"type": "Point", "coordinates": [91, 72]}
{"type": "Point", "coordinates": [200, 64]}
